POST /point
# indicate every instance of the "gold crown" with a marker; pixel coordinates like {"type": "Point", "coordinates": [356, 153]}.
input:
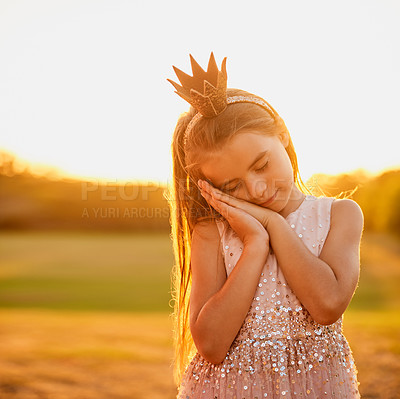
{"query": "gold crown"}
{"type": "Point", "coordinates": [205, 91]}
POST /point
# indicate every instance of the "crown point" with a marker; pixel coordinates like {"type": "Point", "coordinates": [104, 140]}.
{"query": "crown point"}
{"type": "Point", "coordinates": [212, 66]}
{"type": "Point", "coordinates": [196, 68]}
{"type": "Point", "coordinates": [183, 77]}
{"type": "Point", "coordinates": [223, 66]}
{"type": "Point", "coordinates": [205, 91]}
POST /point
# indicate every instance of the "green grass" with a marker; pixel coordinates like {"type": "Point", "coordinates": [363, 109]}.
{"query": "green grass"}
{"type": "Point", "coordinates": [86, 316]}
{"type": "Point", "coordinates": [131, 272]}
{"type": "Point", "coordinates": [379, 283]}
{"type": "Point", "coordinates": [114, 272]}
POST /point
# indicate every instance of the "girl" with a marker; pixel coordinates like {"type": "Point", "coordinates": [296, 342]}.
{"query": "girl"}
{"type": "Point", "coordinates": [264, 270]}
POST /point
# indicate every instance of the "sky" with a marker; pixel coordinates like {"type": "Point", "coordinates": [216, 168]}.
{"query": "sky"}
{"type": "Point", "coordinates": [83, 86]}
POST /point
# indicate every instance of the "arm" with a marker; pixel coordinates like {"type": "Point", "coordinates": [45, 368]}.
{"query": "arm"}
{"type": "Point", "coordinates": [218, 305]}
{"type": "Point", "coordinates": [325, 284]}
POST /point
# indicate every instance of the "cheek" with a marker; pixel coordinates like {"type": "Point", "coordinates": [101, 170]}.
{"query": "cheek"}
{"type": "Point", "coordinates": [283, 175]}
{"type": "Point", "coordinates": [286, 165]}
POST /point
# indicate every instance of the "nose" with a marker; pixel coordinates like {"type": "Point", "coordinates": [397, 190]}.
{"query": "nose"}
{"type": "Point", "coordinates": [256, 189]}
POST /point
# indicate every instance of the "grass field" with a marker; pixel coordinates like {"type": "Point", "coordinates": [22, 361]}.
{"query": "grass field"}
{"type": "Point", "coordinates": [121, 272]}
{"type": "Point", "coordinates": [86, 316]}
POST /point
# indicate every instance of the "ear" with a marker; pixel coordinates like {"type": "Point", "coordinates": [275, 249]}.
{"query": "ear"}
{"type": "Point", "coordinates": [284, 138]}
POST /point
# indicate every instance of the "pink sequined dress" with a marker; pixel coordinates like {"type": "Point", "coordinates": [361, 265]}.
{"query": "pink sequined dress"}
{"type": "Point", "coordinates": [280, 351]}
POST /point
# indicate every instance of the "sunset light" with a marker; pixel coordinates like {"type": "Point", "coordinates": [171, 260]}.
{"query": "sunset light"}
{"type": "Point", "coordinates": [128, 270]}
{"type": "Point", "coordinates": [84, 90]}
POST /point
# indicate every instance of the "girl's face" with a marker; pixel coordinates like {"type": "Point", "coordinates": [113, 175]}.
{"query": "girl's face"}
{"type": "Point", "coordinates": [255, 168]}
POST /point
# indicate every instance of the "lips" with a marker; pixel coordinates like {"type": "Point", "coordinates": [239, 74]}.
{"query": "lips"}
{"type": "Point", "coordinates": [269, 200]}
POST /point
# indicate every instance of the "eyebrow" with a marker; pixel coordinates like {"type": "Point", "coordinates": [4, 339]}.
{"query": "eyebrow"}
{"type": "Point", "coordinates": [258, 157]}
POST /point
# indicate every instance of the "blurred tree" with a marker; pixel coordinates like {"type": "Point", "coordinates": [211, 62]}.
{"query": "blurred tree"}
{"type": "Point", "coordinates": [378, 196]}
{"type": "Point", "coordinates": [7, 163]}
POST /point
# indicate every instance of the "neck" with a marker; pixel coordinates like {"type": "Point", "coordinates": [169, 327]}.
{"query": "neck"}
{"type": "Point", "coordinates": [295, 200]}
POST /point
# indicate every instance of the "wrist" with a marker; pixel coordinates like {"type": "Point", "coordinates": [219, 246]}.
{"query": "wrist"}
{"type": "Point", "coordinates": [257, 246]}
{"type": "Point", "coordinates": [271, 218]}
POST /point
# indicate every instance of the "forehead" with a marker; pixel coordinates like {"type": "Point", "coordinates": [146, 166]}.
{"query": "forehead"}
{"type": "Point", "coordinates": [236, 156]}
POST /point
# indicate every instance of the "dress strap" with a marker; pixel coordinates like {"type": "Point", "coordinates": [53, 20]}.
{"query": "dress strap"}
{"type": "Point", "coordinates": [324, 219]}
{"type": "Point", "coordinates": [222, 226]}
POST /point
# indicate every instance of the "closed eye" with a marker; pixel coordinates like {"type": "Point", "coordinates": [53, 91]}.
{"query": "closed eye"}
{"type": "Point", "coordinates": [230, 190]}
{"type": "Point", "coordinates": [262, 168]}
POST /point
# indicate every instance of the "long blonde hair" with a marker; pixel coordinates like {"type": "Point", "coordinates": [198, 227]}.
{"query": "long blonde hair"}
{"type": "Point", "coordinates": [187, 206]}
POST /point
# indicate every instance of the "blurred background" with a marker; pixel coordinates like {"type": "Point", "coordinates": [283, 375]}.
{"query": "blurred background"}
{"type": "Point", "coordinates": [86, 121]}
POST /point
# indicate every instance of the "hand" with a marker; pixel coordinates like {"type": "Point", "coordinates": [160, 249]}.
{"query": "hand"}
{"type": "Point", "coordinates": [247, 226]}
{"type": "Point", "coordinates": [263, 215]}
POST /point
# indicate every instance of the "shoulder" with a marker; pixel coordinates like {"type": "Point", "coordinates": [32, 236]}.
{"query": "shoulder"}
{"type": "Point", "coordinates": [347, 215]}
{"type": "Point", "coordinates": [206, 226]}
{"type": "Point", "coordinates": [206, 254]}
{"type": "Point", "coordinates": [206, 231]}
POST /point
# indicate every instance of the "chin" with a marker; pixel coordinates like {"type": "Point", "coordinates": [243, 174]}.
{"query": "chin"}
{"type": "Point", "coordinates": [281, 199]}
{"type": "Point", "coordinates": [280, 203]}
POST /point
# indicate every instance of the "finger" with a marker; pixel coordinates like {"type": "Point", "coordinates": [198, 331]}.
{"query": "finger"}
{"type": "Point", "coordinates": [225, 197]}
{"type": "Point", "coordinates": [210, 198]}
{"type": "Point", "coordinates": [205, 194]}
{"type": "Point", "coordinates": [220, 195]}
{"type": "Point", "coordinates": [233, 201]}
{"type": "Point", "coordinates": [219, 206]}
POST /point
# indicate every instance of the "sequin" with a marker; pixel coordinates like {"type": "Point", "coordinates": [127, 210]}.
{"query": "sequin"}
{"type": "Point", "coordinates": [279, 350]}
